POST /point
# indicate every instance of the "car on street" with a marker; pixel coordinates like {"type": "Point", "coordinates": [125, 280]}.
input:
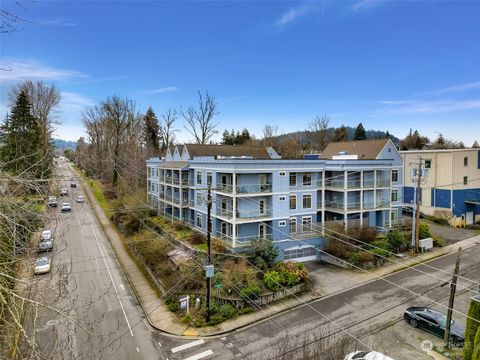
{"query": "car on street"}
{"type": "Point", "coordinates": [46, 245]}
{"type": "Point", "coordinates": [63, 192]}
{"type": "Point", "coordinates": [434, 322]}
{"type": "Point", "coordinates": [42, 266]}
{"type": "Point", "coordinates": [73, 184]}
{"type": "Point", "coordinates": [46, 235]}
{"type": "Point", "coordinates": [367, 355]}
{"type": "Point", "coordinates": [52, 201]}
{"type": "Point", "coordinates": [80, 199]}
{"type": "Point", "coordinates": [66, 207]}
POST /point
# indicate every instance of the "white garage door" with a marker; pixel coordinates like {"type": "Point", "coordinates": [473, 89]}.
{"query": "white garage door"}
{"type": "Point", "coordinates": [469, 218]}
{"type": "Point", "coordinates": [300, 254]}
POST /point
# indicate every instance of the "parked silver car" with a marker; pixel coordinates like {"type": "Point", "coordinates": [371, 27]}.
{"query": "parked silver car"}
{"type": "Point", "coordinates": [66, 207]}
{"type": "Point", "coordinates": [42, 266]}
{"type": "Point", "coordinates": [52, 201]}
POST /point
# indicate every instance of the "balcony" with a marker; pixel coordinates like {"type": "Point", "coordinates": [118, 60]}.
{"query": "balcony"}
{"type": "Point", "coordinates": [244, 215]}
{"type": "Point", "coordinates": [379, 205]}
{"type": "Point", "coordinates": [254, 188]}
{"type": "Point", "coordinates": [336, 184]}
{"type": "Point", "coordinates": [319, 204]}
{"type": "Point", "coordinates": [175, 200]}
{"type": "Point", "coordinates": [368, 184]}
{"type": "Point", "coordinates": [383, 183]}
{"type": "Point", "coordinates": [226, 188]}
{"type": "Point", "coordinates": [353, 206]}
{"type": "Point", "coordinates": [334, 204]}
{"type": "Point", "coordinates": [241, 241]}
{"type": "Point", "coordinates": [354, 184]}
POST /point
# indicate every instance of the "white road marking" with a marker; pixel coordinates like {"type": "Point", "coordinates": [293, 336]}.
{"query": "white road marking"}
{"type": "Point", "coordinates": [121, 286]}
{"type": "Point", "coordinates": [111, 278]}
{"type": "Point", "coordinates": [138, 350]}
{"type": "Point", "coordinates": [200, 355]}
{"type": "Point", "coordinates": [188, 345]}
{"type": "Point", "coordinates": [159, 344]}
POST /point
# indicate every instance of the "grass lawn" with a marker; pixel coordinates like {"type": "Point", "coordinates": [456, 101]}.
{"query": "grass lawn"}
{"type": "Point", "coordinates": [97, 189]}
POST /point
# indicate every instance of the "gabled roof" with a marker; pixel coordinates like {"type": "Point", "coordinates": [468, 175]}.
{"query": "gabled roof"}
{"type": "Point", "coordinates": [256, 152]}
{"type": "Point", "coordinates": [364, 149]}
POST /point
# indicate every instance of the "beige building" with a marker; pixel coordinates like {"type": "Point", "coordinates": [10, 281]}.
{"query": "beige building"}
{"type": "Point", "coordinates": [450, 186]}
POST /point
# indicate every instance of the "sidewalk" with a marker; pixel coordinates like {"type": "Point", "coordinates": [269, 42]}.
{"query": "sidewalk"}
{"type": "Point", "coordinates": [331, 281]}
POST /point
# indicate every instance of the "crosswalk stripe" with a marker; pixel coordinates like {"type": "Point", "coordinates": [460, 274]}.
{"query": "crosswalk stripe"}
{"type": "Point", "coordinates": [200, 355]}
{"type": "Point", "coordinates": [188, 345]}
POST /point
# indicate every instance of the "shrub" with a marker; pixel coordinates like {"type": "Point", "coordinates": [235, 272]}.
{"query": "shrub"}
{"type": "Point", "coordinates": [186, 319]}
{"type": "Point", "coordinates": [424, 231]}
{"type": "Point", "coordinates": [265, 250]}
{"type": "Point", "coordinates": [246, 310]}
{"type": "Point", "coordinates": [471, 329]}
{"type": "Point", "coordinates": [227, 311]}
{"type": "Point", "coordinates": [109, 193]}
{"type": "Point", "coordinates": [272, 280]}
{"type": "Point", "coordinates": [338, 249]}
{"type": "Point", "coordinates": [173, 306]}
{"type": "Point", "coordinates": [367, 234]}
{"type": "Point", "coordinates": [196, 238]}
{"type": "Point", "coordinates": [250, 293]}
{"type": "Point", "coordinates": [215, 320]}
{"type": "Point", "coordinates": [365, 257]}
{"type": "Point", "coordinates": [178, 225]}
{"type": "Point", "coordinates": [396, 241]}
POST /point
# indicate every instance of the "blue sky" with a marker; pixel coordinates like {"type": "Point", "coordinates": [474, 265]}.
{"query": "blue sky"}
{"type": "Point", "coordinates": [391, 65]}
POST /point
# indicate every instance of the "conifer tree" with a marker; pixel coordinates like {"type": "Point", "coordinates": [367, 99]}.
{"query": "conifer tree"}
{"type": "Point", "coordinates": [360, 133]}
{"type": "Point", "coordinates": [21, 143]}
{"type": "Point", "coordinates": [151, 132]}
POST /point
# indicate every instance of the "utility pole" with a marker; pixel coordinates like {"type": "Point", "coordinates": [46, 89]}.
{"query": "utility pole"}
{"type": "Point", "coordinates": [453, 288]}
{"type": "Point", "coordinates": [208, 266]}
{"type": "Point", "coordinates": [417, 215]}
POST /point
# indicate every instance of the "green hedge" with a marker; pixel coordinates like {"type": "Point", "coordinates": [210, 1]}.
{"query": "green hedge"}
{"type": "Point", "coordinates": [472, 329]}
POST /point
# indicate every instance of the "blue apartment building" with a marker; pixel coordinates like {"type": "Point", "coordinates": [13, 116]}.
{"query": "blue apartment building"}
{"type": "Point", "coordinates": [257, 194]}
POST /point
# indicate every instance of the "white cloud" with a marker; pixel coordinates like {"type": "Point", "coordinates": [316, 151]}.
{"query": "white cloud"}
{"type": "Point", "coordinates": [163, 90]}
{"type": "Point", "coordinates": [294, 14]}
{"type": "Point", "coordinates": [18, 71]}
{"type": "Point", "coordinates": [427, 107]}
{"type": "Point", "coordinates": [73, 102]}
{"type": "Point", "coordinates": [365, 4]}
{"type": "Point", "coordinates": [56, 22]}
{"type": "Point", "coordinates": [452, 89]}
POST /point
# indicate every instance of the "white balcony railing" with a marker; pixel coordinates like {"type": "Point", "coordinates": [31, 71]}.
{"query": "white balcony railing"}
{"type": "Point", "coordinates": [242, 215]}
{"type": "Point", "coordinates": [242, 241]}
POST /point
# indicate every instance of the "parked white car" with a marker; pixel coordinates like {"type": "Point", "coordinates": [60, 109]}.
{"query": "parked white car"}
{"type": "Point", "coordinates": [63, 192]}
{"type": "Point", "coordinates": [367, 355]}
{"type": "Point", "coordinates": [52, 201]}
{"type": "Point", "coordinates": [80, 199]}
{"type": "Point", "coordinates": [42, 266]}
{"type": "Point", "coordinates": [66, 207]}
{"type": "Point", "coordinates": [46, 235]}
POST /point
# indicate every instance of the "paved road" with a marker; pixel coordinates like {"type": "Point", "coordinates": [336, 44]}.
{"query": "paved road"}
{"type": "Point", "coordinates": [372, 313]}
{"type": "Point", "coordinates": [106, 323]}
{"type": "Point", "coordinates": [97, 316]}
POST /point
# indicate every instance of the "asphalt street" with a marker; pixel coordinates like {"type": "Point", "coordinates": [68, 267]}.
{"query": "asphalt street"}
{"type": "Point", "coordinates": [93, 312]}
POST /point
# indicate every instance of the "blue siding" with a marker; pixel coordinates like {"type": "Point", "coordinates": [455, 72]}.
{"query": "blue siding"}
{"type": "Point", "coordinates": [478, 159]}
{"type": "Point", "coordinates": [459, 198]}
{"type": "Point", "coordinates": [441, 198]}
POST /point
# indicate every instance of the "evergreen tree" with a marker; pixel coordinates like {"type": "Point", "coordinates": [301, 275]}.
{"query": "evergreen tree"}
{"type": "Point", "coordinates": [151, 131]}
{"type": "Point", "coordinates": [21, 143]}
{"type": "Point", "coordinates": [387, 135]}
{"type": "Point", "coordinates": [245, 136]}
{"type": "Point", "coordinates": [360, 133]}
{"type": "Point", "coordinates": [440, 142]}
{"type": "Point", "coordinates": [475, 145]}
{"type": "Point", "coordinates": [341, 134]}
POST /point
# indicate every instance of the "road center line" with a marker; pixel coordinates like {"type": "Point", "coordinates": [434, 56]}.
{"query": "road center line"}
{"type": "Point", "coordinates": [111, 278]}
{"type": "Point", "coordinates": [188, 345]}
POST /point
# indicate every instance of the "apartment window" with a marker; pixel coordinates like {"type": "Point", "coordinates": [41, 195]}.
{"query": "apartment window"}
{"type": "Point", "coordinates": [307, 179]}
{"type": "Point", "coordinates": [428, 164]}
{"type": "Point", "coordinates": [293, 179]}
{"type": "Point", "coordinates": [199, 199]}
{"type": "Point", "coordinates": [282, 173]}
{"type": "Point", "coordinates": [282, 198]}
{"type": "Point", "coordinates": [394, 176]}
{"type": "Point", "coordinates": [149, 186]}
{"type": "Point", "coordinates": [307, 201]}
{"type": "Point", "coordinates": [306, 224]}
{"type": "Point", "coordinates": [293, 225]}
{"type": "Point", "coordinates": [465, 161]}
{"type": "Point", "coordinates": [282, 223]}
{"type": "Point", "coordinates": [394, 216]}
{"type": "Point", "coordinates": [149, 169]}
{"type": "Point", "coordinates": [199, 177]}
{"type": "Point", "coordinates": [293, 202]}
{"type": "Point", "coordinates": [199, 220]}
{"type": "Point", "coordinates": [209, 179]}
{"type": "Point", "coordinates": [465, 180]}
{"type": "Point", "coordinates": [394, 194]}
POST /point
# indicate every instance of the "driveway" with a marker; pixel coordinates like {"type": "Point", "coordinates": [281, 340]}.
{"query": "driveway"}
{"type": "Point", "coordinates": [450, 234]}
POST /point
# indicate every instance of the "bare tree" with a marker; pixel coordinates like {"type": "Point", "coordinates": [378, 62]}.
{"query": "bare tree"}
{"type": "Point", "coordinates": [270, 133]}
{"type": "Point", "coordinates": [200, 121]}
{"type": "Point", "coordinates": [318, 128]}
{"type": "Point", "coordinates": [8, 20]}
{"type": "Point", "coordinates": [167, 131]}
{"type": "Point", "coordinates": [120, 116]}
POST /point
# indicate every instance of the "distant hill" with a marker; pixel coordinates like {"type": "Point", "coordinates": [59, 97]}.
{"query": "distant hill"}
{"type": "Point", "coordinates": [62, 145]}
{"type": "Point", "coordinates": [303, 136]}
